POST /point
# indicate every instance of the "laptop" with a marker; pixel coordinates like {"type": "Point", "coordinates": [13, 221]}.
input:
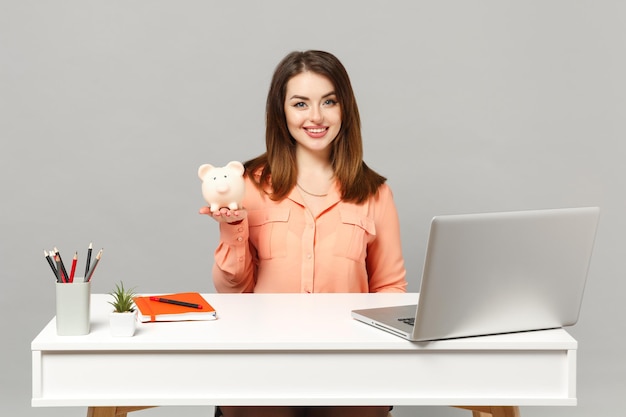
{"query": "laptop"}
{"type": "Point", "coordinates": [495, 273]}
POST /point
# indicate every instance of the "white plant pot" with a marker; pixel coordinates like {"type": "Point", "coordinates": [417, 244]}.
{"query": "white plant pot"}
{"type": "Point", "coordinates": [123, 324]}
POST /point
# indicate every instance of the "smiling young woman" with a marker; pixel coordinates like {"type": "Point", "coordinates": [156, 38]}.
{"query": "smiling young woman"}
{"type": "Point", "coordinates": [315, 217]}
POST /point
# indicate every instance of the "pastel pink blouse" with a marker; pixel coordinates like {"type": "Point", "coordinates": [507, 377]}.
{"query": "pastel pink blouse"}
{"type": "Point", "coordinates": [280, 247]}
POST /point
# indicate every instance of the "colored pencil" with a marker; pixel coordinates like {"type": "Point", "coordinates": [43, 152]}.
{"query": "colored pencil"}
{"type": "Point", "coordinates": [66, 277]}
{"type": "Point", "coordinates": [73, 270]}
{"type": "Point", "coordinates": [88, 263]}
{"type": "Point", "coordinates": [57, 258]}
{"type": "Point", "coordinates": [51, 263]}
{"type": "Point", "coordinates": [93, 267]}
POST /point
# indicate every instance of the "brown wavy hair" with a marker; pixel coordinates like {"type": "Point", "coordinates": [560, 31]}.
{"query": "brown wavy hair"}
{"type": "Point", "coordinates": [277, 166]}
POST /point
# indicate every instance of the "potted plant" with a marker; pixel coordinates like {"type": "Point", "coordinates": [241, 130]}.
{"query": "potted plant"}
{"type": "Point", "coordinates": [123, 319]}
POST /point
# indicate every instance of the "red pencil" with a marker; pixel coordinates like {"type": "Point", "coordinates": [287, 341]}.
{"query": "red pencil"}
{"type": "Point", "coordinates": [74, 261]}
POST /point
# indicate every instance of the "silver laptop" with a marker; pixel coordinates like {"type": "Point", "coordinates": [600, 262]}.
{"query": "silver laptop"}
{"type": "Point", "coordinates": [497, 273]}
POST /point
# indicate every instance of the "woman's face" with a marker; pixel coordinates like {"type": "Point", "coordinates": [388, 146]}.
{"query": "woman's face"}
{"type": "Point", "coordinates": [312, 111]}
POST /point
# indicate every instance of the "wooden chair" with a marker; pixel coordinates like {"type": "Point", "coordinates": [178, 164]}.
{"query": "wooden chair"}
{"type": "Point", "coordinates": [112, 411]}
{"type": "Point", "coordinates": [493, 411]}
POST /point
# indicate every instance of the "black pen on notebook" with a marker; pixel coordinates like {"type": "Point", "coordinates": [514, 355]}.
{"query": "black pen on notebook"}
{"type": "Point", "coordinates": [178, 303]}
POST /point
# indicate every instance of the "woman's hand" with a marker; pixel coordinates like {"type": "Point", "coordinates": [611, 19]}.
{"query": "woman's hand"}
{"type": "Point", "coordinates": [225, 215]}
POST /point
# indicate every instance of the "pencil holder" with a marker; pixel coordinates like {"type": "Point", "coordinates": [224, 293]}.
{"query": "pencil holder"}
{"type": "Point", "coordinates": [72, 308]}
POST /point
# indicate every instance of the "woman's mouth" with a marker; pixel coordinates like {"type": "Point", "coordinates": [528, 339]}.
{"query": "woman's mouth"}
{"type": "Point", "coordinates": [316, 131]}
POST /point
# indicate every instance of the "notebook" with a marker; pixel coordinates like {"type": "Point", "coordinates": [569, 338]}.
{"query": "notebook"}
{"type": "Point", "coordinates": [168, 307]}
{"type": "Point", "coordinates": [496, 273]}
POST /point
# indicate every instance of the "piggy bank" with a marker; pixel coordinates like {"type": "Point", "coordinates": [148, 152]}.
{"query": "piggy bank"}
{"type": "Point", "coordinates": [222, 186]}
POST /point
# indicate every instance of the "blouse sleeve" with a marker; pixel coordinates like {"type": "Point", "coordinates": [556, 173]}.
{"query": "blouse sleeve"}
{"type": "Point", "coordinates": [385, 263]}
{"type": "Point", "coordinates": [233, 270]}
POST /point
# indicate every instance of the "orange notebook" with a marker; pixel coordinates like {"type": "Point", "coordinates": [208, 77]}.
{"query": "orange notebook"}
{"type": "Point", "coordinates": [150, 309]}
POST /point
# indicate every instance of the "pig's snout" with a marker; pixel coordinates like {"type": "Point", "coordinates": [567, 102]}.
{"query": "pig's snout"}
{"type": "Point", "coordinates": [222, 188]}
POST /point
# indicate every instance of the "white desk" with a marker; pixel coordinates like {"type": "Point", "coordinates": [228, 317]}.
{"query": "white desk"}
{"type": "Point", "coordinates": [296, 349]}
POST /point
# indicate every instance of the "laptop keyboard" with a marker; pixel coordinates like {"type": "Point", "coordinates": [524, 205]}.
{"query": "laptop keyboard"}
{"type": "Point", "coordinates": [409, 320]}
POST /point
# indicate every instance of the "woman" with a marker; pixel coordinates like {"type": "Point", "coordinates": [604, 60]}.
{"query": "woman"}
{"type": "Point", "coordinates": [316, 218]}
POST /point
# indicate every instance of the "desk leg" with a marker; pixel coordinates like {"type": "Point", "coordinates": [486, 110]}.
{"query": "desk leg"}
{"type": "Point", "coordinates": [492, 411]}
{"type": "Point", "coordinates": [112, 411]}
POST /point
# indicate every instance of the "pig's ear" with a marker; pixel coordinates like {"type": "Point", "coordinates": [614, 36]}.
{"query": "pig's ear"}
{"type": "Point", "coordinates": [236, 166]}
{"type": "Point", "coordinates": [203, 170]}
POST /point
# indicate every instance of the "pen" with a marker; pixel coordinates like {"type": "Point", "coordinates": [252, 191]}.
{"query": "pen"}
{"type": "Point", "coordinates": [74, 260]}
{"type": "Point", "coordinates": [178, 303]}
{"type": "Point", "coordinates": [93, 267]}
{"type": "Point", "coordinates": [51, 263]}
{"type": "Point", "coordinates": [66, 278]}
{"type": "Point", "coordinates": [88, 264]}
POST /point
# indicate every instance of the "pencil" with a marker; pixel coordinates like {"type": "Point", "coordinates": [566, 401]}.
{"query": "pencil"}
{"type": "Point", "coordinates": [57, 258]}
{"type": "Point", "coordinates": [51, 263]}
{"type": "Point", "coordinates": [93, 267]}
{"type": "Point", "coordinates": [66, 277]}
{"type": "Point", "coordinates": [74, 261]}
{"type": "Point", "coordinates": [88, 264]}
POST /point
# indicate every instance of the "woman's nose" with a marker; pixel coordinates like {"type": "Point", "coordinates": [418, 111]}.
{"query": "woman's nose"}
{"type": "Point", "coordinates": [316, 115]}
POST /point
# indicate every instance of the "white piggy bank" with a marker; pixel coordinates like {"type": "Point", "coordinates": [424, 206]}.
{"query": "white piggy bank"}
{"type": "Point", "coordinates": [222, 186]}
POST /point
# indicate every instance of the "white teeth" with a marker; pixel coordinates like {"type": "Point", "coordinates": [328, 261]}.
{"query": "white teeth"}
{"type": "Point", "coordinates": [316, 130]}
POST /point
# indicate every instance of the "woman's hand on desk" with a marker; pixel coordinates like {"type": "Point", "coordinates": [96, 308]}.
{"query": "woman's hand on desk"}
{"type": "Point", "coordinates": [225, 215]}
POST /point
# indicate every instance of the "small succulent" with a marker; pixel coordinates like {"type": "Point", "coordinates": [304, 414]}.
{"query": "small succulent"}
{"type": "Point", "coordinates": [122, 299]}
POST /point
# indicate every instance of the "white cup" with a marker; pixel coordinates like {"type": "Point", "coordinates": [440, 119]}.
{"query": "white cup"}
{"type": "Point", "coordinates": [72, 307]}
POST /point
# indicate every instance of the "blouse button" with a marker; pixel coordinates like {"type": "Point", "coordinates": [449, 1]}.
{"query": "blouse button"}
{"type": "Point", "coordinates": [239, 239]}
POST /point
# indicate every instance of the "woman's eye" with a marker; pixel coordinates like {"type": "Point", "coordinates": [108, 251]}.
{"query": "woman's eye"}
{"type": "Point", "coordinates": [330, 102]}
{"type": "Point", "coordinates": [300, 105]}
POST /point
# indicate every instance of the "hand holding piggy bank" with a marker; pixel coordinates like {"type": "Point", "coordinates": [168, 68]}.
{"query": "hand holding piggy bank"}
{"type": "Point", "coordinates": [222, 186]}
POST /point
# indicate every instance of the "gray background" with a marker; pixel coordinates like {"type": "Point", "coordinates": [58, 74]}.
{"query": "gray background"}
{"type": "Point", "coordinates": [107, 108]}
